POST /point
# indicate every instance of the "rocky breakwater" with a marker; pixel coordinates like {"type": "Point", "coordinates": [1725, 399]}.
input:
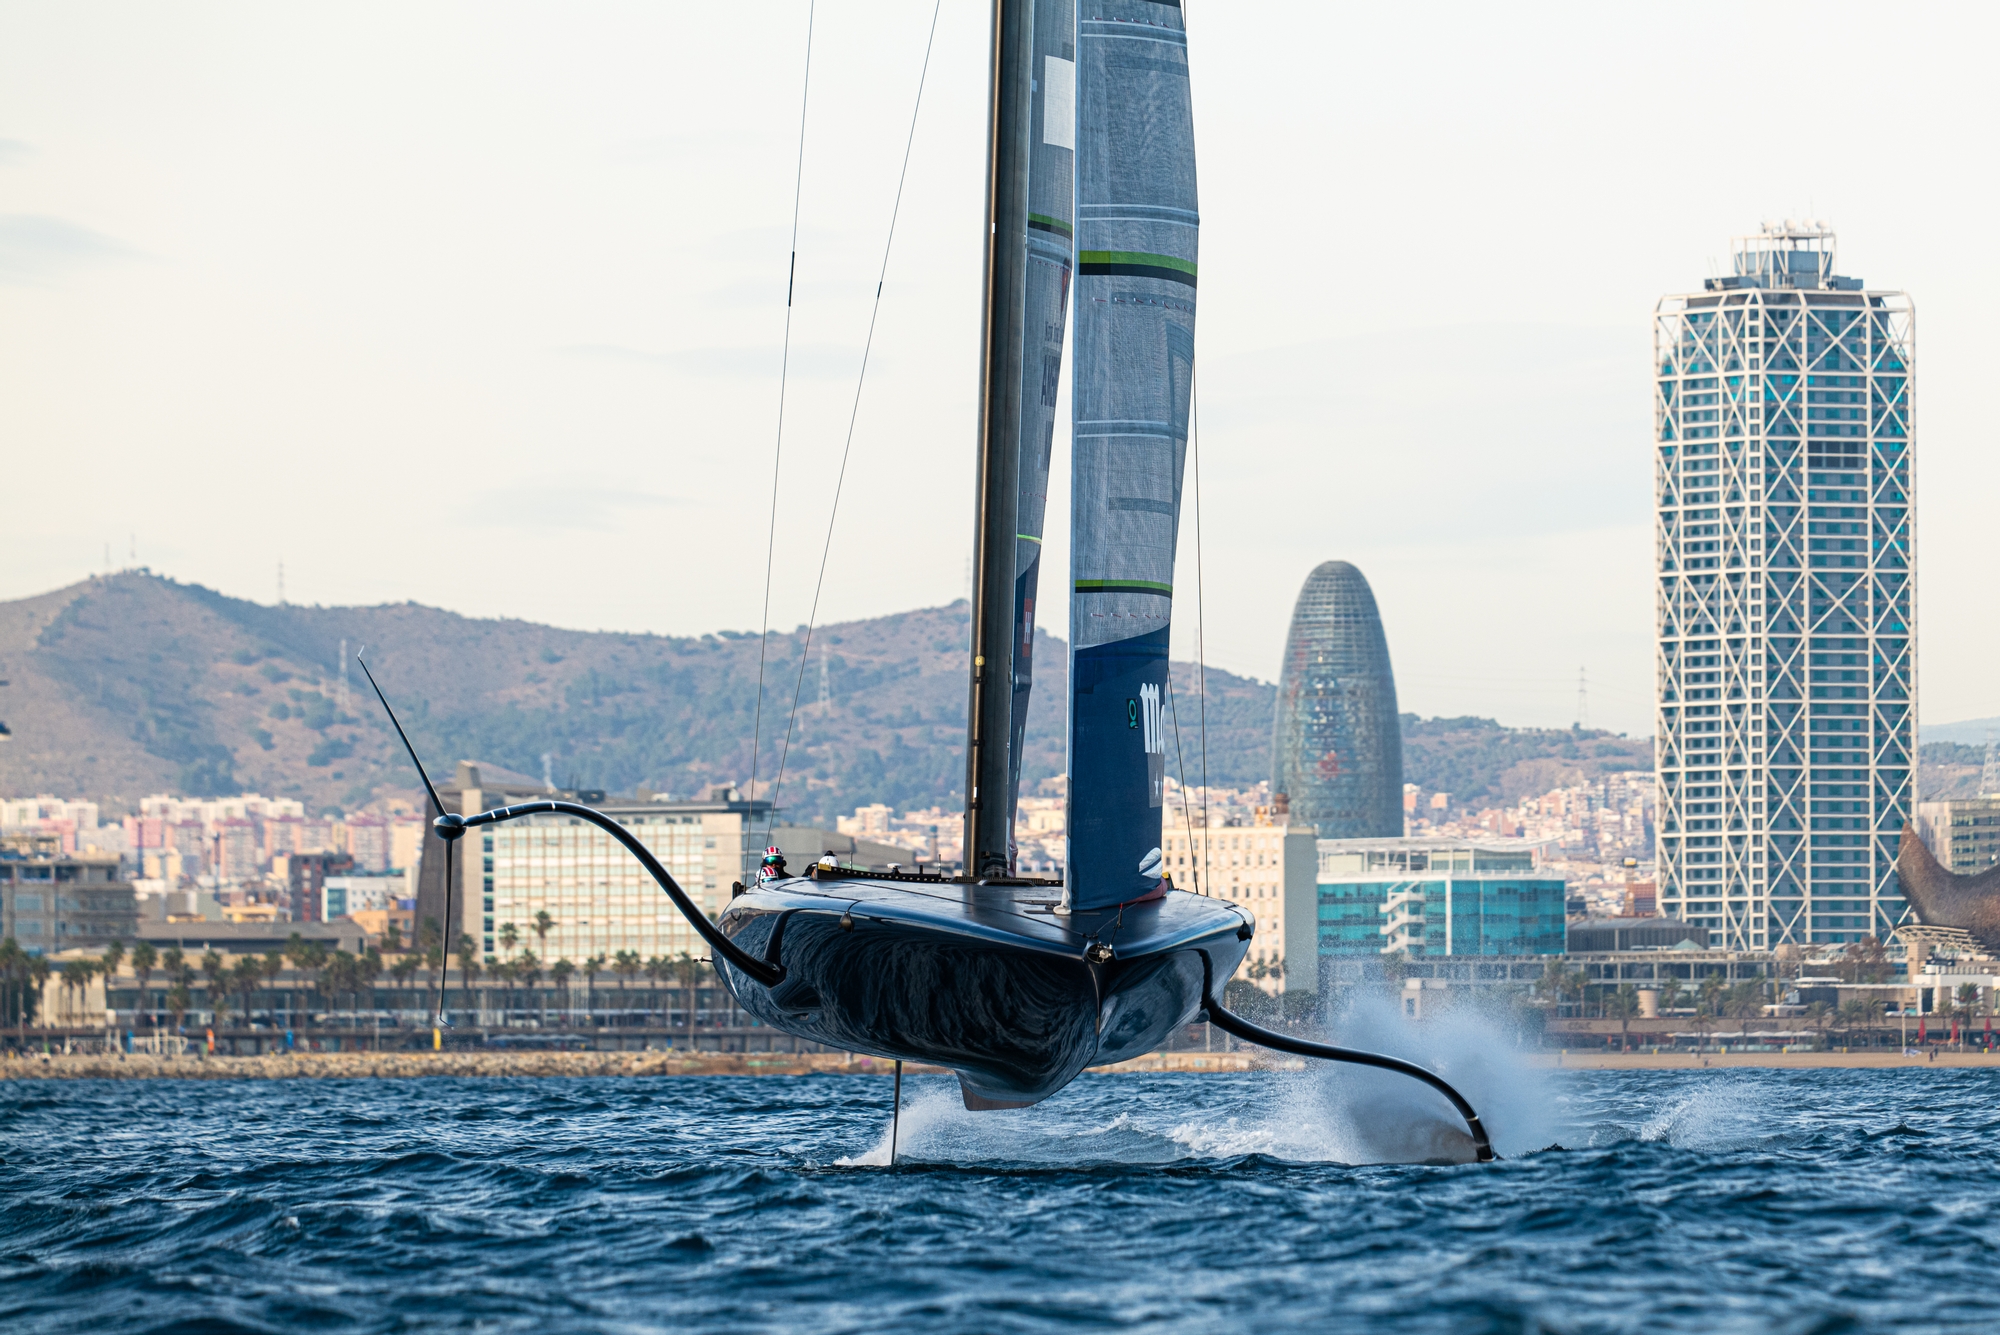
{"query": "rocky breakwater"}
{"type": "Point", "coordinates": [409, 1065]}
{"type": "Point", "coordinates": [406, 1065]}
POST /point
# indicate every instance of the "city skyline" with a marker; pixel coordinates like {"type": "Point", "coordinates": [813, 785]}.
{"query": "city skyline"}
{"type": "Point", "coordinates": [615, 395]}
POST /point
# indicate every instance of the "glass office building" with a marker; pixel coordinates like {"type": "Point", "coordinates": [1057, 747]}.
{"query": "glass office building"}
{"type": "Point", "coordinates": [1786, 658]}
{"type": "Point", "coordinates": [1436, 897]}
{"type": "Point", "coordinates": [1337, 752]}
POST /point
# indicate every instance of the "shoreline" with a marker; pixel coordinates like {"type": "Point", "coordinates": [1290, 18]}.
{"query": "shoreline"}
{"type": "Point", "coordinates": [1877, 1059]}
{"type": "Point", "coordinates": [418, 1065]}
{"type": "Point", "coordinates": [555, 1065]}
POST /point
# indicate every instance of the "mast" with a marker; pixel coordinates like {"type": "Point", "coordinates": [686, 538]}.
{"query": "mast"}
{"type": "Point", "coordinates": [988, 815]}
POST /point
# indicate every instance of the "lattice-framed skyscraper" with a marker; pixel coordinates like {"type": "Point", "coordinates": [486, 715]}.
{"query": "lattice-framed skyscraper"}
{"type": "Point", "coordinates": [1784, 467]}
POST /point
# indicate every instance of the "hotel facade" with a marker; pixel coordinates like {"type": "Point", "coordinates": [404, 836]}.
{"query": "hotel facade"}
{"type": "Point", "coordinates": [1786, 695]}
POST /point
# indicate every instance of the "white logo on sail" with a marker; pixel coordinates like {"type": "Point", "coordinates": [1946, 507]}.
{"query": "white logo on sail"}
{"type": "Point", "coordinates": [1149, 713]}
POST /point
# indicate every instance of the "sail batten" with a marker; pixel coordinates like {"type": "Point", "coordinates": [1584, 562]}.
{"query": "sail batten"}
{"type": "Point", "coordinates": [1137, 226]}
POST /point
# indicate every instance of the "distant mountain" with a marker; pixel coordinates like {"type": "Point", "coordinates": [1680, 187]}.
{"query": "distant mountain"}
{"type": "Point", "coordinates": [1971, 732]}
{"type": "Point", "coordinates": [1481, 763]}
{"type": "Point", "coordinates": [135, 684]}
{"type": "Point", "coordinates": [1948, 769]}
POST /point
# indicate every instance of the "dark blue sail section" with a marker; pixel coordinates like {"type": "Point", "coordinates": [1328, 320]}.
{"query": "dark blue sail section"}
{"type": "Point", "coordinates": [1137, 232]}
{"type": "Point", "coordinates": [1118, 769]}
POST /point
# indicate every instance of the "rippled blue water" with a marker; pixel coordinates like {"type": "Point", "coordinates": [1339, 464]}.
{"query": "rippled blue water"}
{"type": "Point", "coordinates": [1681, 1201]}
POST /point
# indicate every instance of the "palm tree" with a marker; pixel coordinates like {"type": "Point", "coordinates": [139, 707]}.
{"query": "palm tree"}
{"type": "Point", "coordinates": [11, 956]}
{"type": "Point", "coordinates": [690, 995]}
{"type": "Point", "coordinates": [1579, 982]}
{"type": "Point", "coordinates": [1707, 1007]}
{"type": "Point", "coordinates": [366, 970]}
{"type": "Point", "coordinates": [560, 973]}
{"type": "Point", "coordinates": [249, 972]}
{"type": "Point", "coordinates": [1853, 1013]}
{"type": "Point", "coordinates": [1967, 999]}
{"type": "Point", "coordinates": [1818, 1015]}
{"type": "Point", "coordinates": [272, 965]}
{"type": "Point", "coordinates": [504, 971]}
{"type": "Point", "coordinates": [591, 967]}
{"type": "Point", "coordinates": [179, 1000]}
{"type": "Point", "coordinates": [541, 927]}
{"type": "Point", "coordinates": [144, 957]}
{"type": "Point", "coordinates": [1623, 1005]}
{"type": "Point", "coordinates": [404, 969]}
{"type": "Point", "coordinates": [38, 977]}
{"type": "Point", "coordinates": [392, 938]}
{"type": "Point", "coordinates": [510, 936]}
{"type": "Point", "coordinates": [213, 971]}
{"type": "Point", "coordinates": [529, 970]}
{"type": "Point", "coordinates": [626, 965]}
{"type": "Point", "coordinates": [69, 973]}
{"type": "Point", "coordinates": [1745, 1000]}
{"type": "Point", "coordinates": [659, 971]}
{"type": "Point", "coordinates": [434, 968]}
{"type": "Point", "coordinates": [469, 969]}
{"type": "Point", "coordinates": [114, 955]}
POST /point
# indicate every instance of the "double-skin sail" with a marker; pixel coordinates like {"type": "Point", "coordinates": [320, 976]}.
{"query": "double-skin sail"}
{"type": "Point", "coordinates": [1136, 232]}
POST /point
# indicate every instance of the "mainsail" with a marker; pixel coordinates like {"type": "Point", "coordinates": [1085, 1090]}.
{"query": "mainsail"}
{"type": "Point", "coordinates": [1137, 226]}
{"type": "Point", "coordinates": [1050, 233]}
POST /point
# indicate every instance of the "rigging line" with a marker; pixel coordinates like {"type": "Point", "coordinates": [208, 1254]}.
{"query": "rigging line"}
{"type": "Point", "coordinates": [1200, 605]}
{"type": "Point", "coordinates": [1180, 764]}
{"type": "Point", "coordinates": [784, 373]}
{"type": "Point", "coordinates": [854, 414]}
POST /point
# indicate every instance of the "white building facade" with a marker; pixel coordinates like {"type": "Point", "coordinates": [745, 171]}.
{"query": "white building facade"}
{"type": "Point", "coordinates": [601, 900]}
{"type": "Point", "coordinates": [1786, 667]}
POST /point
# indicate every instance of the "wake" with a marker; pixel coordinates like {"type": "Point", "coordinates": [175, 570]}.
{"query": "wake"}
{"type": "Point", "coordinates": [1325, 1113]}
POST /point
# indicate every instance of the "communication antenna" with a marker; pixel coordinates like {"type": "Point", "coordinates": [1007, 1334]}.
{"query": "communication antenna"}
{"type": "Point", "coordinates": [1582, 700]}
{"type": "Point", "coordinates": [825, 694]}
{"type": "Point", "coordinates": [281, 583]}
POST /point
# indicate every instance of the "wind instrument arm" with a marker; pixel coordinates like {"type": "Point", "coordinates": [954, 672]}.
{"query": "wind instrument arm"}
{"type": "Point", "coordinates": [769, 973]}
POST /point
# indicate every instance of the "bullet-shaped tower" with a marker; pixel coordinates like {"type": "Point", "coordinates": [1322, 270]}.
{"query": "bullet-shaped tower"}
{"type": "Point", "coordinates": [1337, 751]}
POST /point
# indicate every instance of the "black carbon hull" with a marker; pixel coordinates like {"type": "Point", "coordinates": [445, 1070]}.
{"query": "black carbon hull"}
{"type": "Point", "coordinates": [985, 980]}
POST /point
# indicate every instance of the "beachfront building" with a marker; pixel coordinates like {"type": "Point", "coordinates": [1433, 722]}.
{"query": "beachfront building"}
{"type": "Point", "coordinates": [1786, 654]}
{"type": "Point", "coordinates": [1420, 898]}
{"type": "Point", "coordinates": [1265, 866]}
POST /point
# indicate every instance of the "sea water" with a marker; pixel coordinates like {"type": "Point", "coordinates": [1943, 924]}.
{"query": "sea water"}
{"type": "Point", "coordinates": [1694, 1200]}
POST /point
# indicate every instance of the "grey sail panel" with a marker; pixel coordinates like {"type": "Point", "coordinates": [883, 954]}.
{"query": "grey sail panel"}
{"type": "Point", "coordinates": [1137, 225]}
{"type": "Point", "coordinates": [1050, 233]}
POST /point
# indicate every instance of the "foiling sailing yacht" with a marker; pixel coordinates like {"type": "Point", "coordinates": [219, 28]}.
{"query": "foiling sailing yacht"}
{"type": "Point", "coordinates": [1013, 983]}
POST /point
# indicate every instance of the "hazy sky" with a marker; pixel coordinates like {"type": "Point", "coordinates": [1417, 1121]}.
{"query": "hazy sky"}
{"type": "Point", "coordinates": [480, 305]}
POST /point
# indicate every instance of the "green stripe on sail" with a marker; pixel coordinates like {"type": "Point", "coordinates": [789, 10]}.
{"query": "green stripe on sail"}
{"type": "Point", "coordinates": [1123, 586]}
{"type": "Point", "coordinates": [1027, 537]}
{"type": "Point", "coordinates": [1046, 223]}
{"type": "Point", "coordinates": [1134, 257]}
